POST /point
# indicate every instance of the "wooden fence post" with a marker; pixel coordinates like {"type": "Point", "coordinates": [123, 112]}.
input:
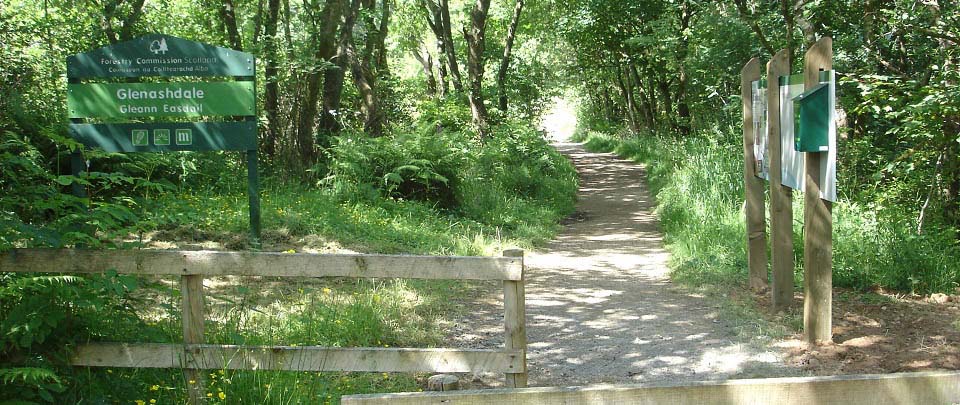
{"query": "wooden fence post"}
{"type": "Point", "coordinates": [817, 221]}
{"type": "Point", "coordinates": [514, 319]}
{"type": "Point", "coordinates": [191, 293]}
{"type": "Point", "coordinates": [781, 197]}
{"type": "Point", "coordinates": [753, 185]}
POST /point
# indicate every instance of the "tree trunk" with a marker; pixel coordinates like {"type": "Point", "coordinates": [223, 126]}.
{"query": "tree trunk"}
{"type": "Point", "coordinates": [287, 36]}
{"type": "Point", "coordinates": [442, 75]}
{"type": "Point", "coordinates": [324, 35]}
{"type": "Point", "coordinates": [451, 52]}
{"type": "Point", "coordinates": [363, 77]}
{"type": "Point", "coordinates": [228, 16]}
{"type": "Point", "coordinates": [381, 47]}
{"type": "Point", "coordinates": [505, 62]}
{"type": "Point", "coordinates": [333, 77]}
{"type": "Point", "coordinates": [435, 22]}
{"type": "Point", "coordinates": [786, 10]}
{"type": "Point", "coordinates": [808, 29]}
{"type": "Point", "coordinates": [664, 86]}
{"type": "Point", "coordinates": [626, 90]}
{"type": "Point", "coordinates": [647, 105]}
{"type": "Point", "coordinates": [426, 61]}
{"type": "Point", "coordinates": [258, 21]}
{"type": "Point", "coordinates": [476, 42]}
{"type": "Point", "coordinates": [271, 101]}
{"type": "Point", "coordinates": [683, 108]}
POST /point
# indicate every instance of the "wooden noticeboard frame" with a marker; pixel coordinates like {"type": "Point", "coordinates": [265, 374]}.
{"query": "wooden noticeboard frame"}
{"type": "Point", "coordinates": [818, 183]}
{"type": "Point", "coordinates": [112, 109]}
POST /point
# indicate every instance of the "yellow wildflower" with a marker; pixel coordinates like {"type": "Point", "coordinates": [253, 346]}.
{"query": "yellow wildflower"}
{"type": "Point", "coordinates": [140, 402]}
{"type": "Point", "coordinates": [326, 290]}
{"type": "Point", "coordinates": [222, 396]}
{"type": "Point", "coordinates": [154, 387]}
{"type": "Point", "coordinates": [153, 401]}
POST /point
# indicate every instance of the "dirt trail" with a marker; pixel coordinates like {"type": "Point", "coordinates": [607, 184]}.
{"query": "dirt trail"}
{"type": "Point", "coordinates": [600, 307]}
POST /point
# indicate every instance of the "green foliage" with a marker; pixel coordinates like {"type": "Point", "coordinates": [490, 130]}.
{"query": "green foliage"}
{"type": "Point", "coordinates": [43, 316]}
{"type": "Point", "coordinates": [510, 179]}
{"type": "Point", "coordinates": [31, 382]}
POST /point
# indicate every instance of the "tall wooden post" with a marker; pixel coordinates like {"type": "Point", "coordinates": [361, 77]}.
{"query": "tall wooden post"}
{"type": "Point", "coordinates": [191, 294]}
{"type": "Point", "coordinates": [781, 197]}
{"type": "Point", "coordinates": [817, 221]}
{"type": "Point", "coordinates": [514, 317]}
{"type": "Point", "coordinates": [753, 185]}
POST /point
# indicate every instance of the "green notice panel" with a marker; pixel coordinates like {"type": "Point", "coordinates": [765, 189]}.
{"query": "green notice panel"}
{"type": "Point", "coordinates": [129, 100]}
{"type": "Point", "coordinates": [160, 55]}
{"type": "Point", "coordinates": [184, 136]}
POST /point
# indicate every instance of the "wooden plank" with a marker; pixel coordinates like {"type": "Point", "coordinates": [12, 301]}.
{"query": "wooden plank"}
{"type": "Point", "coordinates": [215, 263]}
{"type": "Point", "coordinates": [908, 388]}
{"type": "Point", "coordinates": [191, 294]}
{"type": "Point", "coordinates": [817, 221]}
{"type": "Point", "coordinates": [297, 358]}
{"type": "Point", "coordinates": [514, 320]}
{"type": "Point", "coordinates": [781, 197]}
{"type": "Point", "coordinates": [753, 185]}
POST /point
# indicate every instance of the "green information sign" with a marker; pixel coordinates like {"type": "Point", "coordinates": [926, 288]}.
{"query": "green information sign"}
{"type": "Point", "coordinates": [123, 100]}
{"type": "Point", "coordinates": [103, 89]}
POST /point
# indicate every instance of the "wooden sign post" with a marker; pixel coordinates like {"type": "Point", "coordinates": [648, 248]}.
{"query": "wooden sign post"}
{"type": "Point", "coordinates": [753, 185]}
{"type": "Point", "coordinates": [817, 221]}
{"type": "Point", "coordinates": [781, 197]}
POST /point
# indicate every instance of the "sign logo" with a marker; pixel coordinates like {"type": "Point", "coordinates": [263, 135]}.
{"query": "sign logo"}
{"type": "Point", "coordinates": [140, 137]}
{"type": "Point", "coordinates": [184, 136]}
{"type": "Point", "coordinates": [159, 46]}
{"type": "Point", "coordinates": [161, 137]}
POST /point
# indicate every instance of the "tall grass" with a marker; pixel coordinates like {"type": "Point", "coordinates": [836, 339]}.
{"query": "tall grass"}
{"type": "Point", "coordinates": [276, 312]}
{"type": "Point", "coordinates": [699, 189]}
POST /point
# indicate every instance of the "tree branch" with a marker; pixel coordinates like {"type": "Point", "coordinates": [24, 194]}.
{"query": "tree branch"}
{"type": "Point", "coordinates": [750, 19]}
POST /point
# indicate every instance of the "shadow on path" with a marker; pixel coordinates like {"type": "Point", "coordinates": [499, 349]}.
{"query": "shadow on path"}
{"type": "Point", "coordinates": [600, 306]}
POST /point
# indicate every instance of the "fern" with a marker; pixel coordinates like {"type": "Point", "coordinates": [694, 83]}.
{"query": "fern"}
{"type": "Point", "coordinates": [31, 376]}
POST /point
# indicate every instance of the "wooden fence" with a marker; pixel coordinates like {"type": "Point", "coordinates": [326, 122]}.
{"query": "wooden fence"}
{"type": "Point", "coordinates": [194, 354]}
{"type": "Point", "coordinates": [927, 388]}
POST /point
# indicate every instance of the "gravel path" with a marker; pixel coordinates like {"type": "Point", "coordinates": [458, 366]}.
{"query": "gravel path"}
{"type": "Point", "coordinates": [600, 307]}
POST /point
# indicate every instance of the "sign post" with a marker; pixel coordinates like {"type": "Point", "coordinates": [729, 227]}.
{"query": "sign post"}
{"type": "Point", "coordinates": [781, 198]}
{"type": "Point", "coordinates": [817, 216]}
{"type": "Point", "coordinates": [753, 185]}
{"type": "Point", "coordinates": [116, 113]}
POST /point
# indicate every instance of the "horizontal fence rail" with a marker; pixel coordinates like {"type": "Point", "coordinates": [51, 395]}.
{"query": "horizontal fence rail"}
{"type": "Point", "coordinates": [194, 354]}
{"type": "Point", "coordinates": [296, 358]}
{"type": "Point", "coordinates": [272, 264]}
{"type": "Point", "coordinates": [902, 389]}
